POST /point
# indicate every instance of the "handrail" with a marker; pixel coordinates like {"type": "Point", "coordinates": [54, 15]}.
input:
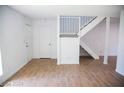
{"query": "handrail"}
{"type": "Point", "coordinates": [88, 23]}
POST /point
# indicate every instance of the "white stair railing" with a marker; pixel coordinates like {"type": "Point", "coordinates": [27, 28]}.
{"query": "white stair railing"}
{"type": "Point", "coordinates": [85, 20]}
{"type": "Point", "coordinates": [88, 22]}
{"type": "Point", "coordinates": [90, 26]}
{"type": "Point", "coordinates": [79, 26]}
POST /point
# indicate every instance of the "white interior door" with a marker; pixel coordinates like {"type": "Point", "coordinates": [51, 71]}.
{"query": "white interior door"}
{"type": "Point", "coordinates": [45, 43]}
{"type": "Point", "coordinates": [28, 42]}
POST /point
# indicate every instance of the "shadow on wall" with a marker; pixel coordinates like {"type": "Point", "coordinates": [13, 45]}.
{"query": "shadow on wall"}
{"type": "Point", "coordinates": [1, 72]}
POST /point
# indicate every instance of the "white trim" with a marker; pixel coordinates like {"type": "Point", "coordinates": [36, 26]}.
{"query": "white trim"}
{"type": "Point", "coordinates": [119, 72]}
{"type": "Point", "coordinates": [106, 40]}
{"type": "Point", "coordinates": [79, 27]}
{"type": "Point", "coordinates": [79, 37]}
{"type": "Point", "coordinates": [58, 40]}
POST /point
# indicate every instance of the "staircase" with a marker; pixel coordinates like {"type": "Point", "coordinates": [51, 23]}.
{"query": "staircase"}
{"type": "Point", "coordinates": [78, 26]}
{"type": "Point", "coordinates": [87, 28]}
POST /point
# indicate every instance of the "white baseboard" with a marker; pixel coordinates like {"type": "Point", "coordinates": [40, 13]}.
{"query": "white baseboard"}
{"type": "Point", "coordinates": [122, 73]}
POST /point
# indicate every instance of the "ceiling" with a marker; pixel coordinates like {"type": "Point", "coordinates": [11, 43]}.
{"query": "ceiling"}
{"type": "Point", "coordinates": [50, 11]}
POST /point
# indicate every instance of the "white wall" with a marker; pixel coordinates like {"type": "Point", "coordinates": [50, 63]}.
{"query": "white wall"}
{"type": "Point", "coordinates": [1, 69]}
{"type": "Point", "coordinates": [12, 37]}
{"type": "Point", "coordinates": [52, 27]}
{"type": "Point", "coordinates": [91, 39]}
{"type": "Point", "coordinates": [120, 58]}
{"type": "Point", "coordinates": [95, 39]}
